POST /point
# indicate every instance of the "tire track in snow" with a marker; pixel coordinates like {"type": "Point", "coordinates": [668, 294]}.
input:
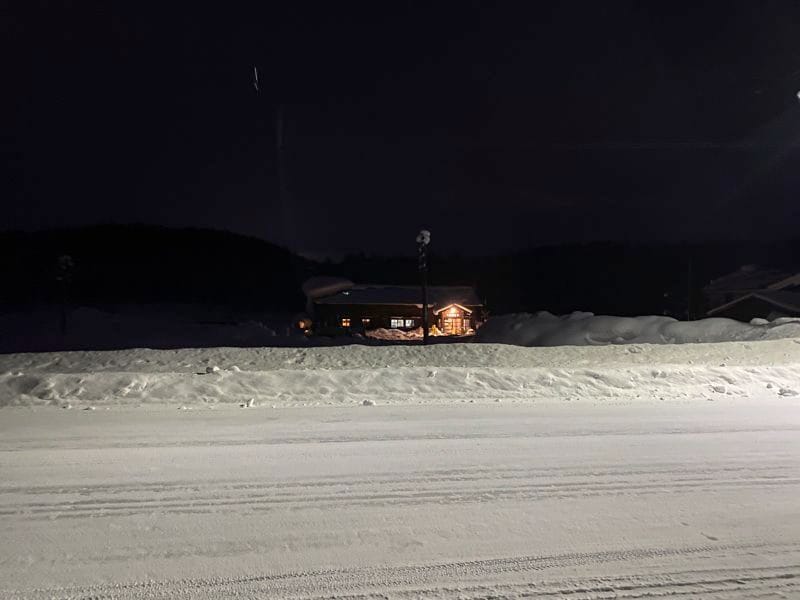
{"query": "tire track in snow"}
{"type": "Point", "coordinates": [132, 444]}
{"type": "Point", "coordinates": [739, 489]}
{"type": "Point", "coordinates": [436, 488]}
{"type": "Point", "coordinates": [443, 579]}
{"type": "Point", "coordinates": [752, 583]}
{"type": "Point", "coordinates": [458, 474]}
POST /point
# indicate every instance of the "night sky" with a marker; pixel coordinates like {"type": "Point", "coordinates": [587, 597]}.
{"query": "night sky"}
{"type": "Point", "coordinates": [497, 125]}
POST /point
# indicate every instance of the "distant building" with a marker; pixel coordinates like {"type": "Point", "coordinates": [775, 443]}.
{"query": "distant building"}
{"type": "Point", "coordinates": [754, 292]}
{"type": "Point", "coordinates": [339, 306]}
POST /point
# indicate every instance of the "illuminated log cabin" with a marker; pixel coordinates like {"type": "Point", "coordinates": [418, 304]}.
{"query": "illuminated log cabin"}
{"type": "Point", "coordinates": [452, 310]}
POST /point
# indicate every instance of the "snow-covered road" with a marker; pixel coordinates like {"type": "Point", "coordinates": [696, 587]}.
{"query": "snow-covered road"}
{"type": "Point", "coordinates": [572, 500]}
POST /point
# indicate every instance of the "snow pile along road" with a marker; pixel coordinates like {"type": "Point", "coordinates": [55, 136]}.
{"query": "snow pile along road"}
{"type": "Point", "coordinates": [438, 374]}
{"type": "Point", "coordinates": [584, 328]}
{"type": "Point", "coordinates": [394, 334]}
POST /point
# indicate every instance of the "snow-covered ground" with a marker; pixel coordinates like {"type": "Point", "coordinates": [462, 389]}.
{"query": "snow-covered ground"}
{"type": "Point", "coordinates": [473, 471]}
{"type": "Point", "coordinates": [587, 329]}
{"type": "Point", "coordinates": [692, 499]}
{"type": "Point", "coordinates": [402, 374]}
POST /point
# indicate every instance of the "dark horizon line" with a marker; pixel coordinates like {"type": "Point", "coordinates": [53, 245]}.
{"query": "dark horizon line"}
{"type": "Point", "coordinates": [379, 253]}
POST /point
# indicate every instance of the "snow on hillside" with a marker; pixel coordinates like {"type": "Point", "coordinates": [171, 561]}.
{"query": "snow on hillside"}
{"type": "Point", "coordinates": [584, 328]}
{"type": "Point", "coordinates": [447, 373]}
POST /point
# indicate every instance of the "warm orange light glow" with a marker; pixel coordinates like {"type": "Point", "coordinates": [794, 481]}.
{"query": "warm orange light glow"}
{"type": "Point", "coordinates": [453, 311]}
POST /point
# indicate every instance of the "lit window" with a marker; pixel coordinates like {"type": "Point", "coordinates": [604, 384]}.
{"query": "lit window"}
{"type": "Point", "coordinates": [346, 322]}
{"type": "Point", "coordinates": [365, 320]}
{"type": "Point", "coordinates": [409, 322]}
{"type": "Point", "coordinates": [397, 322]}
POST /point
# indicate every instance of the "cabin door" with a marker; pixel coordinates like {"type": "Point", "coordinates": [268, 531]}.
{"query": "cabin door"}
{"type": "Point", "coordinates": [453, 322]}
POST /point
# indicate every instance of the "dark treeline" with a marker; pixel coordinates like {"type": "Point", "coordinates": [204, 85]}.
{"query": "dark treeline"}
{"type": "Point", "coordinates": [115, 264]}
{"type": "Point", "coordinates": [147, 264]}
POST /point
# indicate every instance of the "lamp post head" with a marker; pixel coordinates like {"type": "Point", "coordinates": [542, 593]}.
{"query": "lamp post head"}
{"type": "Point", "coordinates": [424, 237]}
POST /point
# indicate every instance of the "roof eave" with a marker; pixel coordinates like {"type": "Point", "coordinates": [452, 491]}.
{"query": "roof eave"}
{"type": "Point", "coordinates": [766, 299]}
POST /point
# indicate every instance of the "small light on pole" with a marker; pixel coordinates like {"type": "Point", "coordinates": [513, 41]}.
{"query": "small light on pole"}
{"type": "Point", "coordinates": [423, 240]}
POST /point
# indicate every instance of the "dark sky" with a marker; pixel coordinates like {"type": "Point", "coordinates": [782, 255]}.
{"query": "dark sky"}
{"type": "Point", "coordinates": [498, 125]}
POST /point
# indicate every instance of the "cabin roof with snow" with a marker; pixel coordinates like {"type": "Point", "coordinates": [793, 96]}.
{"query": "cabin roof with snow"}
{"type": "Point", "coordinates": [748, 277]}
{"type": "Point", "coordinates": [438, 295]}
{"type": "Point", "coordinates": [788, 301]}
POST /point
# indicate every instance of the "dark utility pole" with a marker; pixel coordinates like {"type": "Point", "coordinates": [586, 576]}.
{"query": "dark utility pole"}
{"type": "Point", "coordinates": [283, 194]}
{"type": "Point", "coordinates": [423, 239]}
{"type": "Point", "coordinates": [66, 266]}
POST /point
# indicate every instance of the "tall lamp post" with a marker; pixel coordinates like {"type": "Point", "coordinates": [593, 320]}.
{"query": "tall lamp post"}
{"type": "Point", "coordinates": [423, 240]}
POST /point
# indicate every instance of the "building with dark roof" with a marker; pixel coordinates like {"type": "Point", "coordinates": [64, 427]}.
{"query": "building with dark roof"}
{"type": "Point", "coordinates": [747, 279]}
{"type": "Point", "coordinates": [753, 292]}
{"type": "Point", "coordinates": [347, 307]}
{"type": "Point", "coordinates": [764, 304]}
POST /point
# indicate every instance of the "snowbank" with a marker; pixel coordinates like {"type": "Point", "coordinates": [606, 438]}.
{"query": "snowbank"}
{"type": "Point", "coordinates": [439, 374]}
{"type": "Point", "coordinates": [394, 334]}
{"type": "Point", "coordinates": [581, 329]}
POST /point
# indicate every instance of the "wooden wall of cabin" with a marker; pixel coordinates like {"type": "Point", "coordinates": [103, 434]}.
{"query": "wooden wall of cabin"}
{"type": "Point", "coordinates": [379, 315]}
{"type": "Point", "coordinates": [329, 316]}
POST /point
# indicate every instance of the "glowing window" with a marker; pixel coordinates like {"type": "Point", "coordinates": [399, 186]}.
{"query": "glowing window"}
{"type": "Point", "coordinates": [409, 322]}
{"type": "Point", "coordinates": [397, 322]}
{"type": "Point", "coordinates": [365, 320]}
{"type": "Point", "coordinates": [346, 322]}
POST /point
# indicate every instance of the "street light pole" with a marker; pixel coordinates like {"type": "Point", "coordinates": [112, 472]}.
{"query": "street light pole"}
{"type": "Point", "coordinates": [423, 239]}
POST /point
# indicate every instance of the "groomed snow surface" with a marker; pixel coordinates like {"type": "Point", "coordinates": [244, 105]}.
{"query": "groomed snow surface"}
{"type": "Point", "coordinates": [450, 471]}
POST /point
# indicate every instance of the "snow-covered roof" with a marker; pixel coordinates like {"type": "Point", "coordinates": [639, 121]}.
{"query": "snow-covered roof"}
{"type": "Point", "coordinates": [778, 298]}
{"type": "Point", "coordinates": [452, 305]}
{"type": "Point", "coordinates": [749, 277]}
{"type": "Point", "coordinates": [438, 295]}
{"type": "Point", "coordinates": [788, 283]}
{"type": "Point", "coordinates": [318, 287]}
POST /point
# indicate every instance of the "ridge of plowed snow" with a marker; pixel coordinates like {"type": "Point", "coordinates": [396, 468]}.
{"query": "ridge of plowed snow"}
{"type": "Point", "coordinates": [402, 374]}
